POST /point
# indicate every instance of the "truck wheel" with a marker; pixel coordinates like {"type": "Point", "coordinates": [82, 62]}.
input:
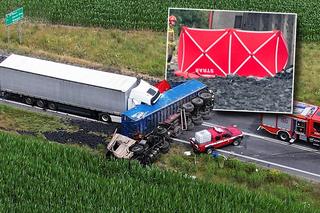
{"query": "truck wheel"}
{"type": "Point", "coordinates": [188, 107]}
{"type": "Point", "coordinates": [40, 103]}
{"type": "Point", "coordinates": [105, 117]}
{"type": "Point", "coordinates": [52, 106]}
{"type": "Point", "coordinates": [283, 136]}
{"type": "Point", "coordinates": [237, 142]}
{"type": "Point", "coordinates": [165, 147]}
{"type": "Point", "coordinates": [205, 96]}
{"type": "Point", "coordinates": [177, 131]}
{"type": "Point", "coordinates": [197, 102]}
{"type": "Point", "coordinates": [206, 114]}
{"type": "Point", "coordinates": [161, 130]}
{"type": "Point", "coordinates": [146, 161]}
{"type": "Point", "coordinates": [137, 149]}
{"type": "Point", "coordinates": [28, 100]}
{"type": "Point", "coordinates": [197, 120]}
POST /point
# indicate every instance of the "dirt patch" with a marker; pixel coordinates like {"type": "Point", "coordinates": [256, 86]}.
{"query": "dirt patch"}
{"type": "Point", "coordinates": [90, 133]}
{"type": "Point", "coordinates": [96, 127]}
{"type": "Point", "coordinates": [80, 137]}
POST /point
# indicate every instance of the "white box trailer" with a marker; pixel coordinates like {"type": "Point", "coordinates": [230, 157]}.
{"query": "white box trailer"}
{"type": "Point", "coordinates": [55, 84]}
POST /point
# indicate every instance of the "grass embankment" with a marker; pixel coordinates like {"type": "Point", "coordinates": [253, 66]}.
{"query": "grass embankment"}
{"type": "Point", "coordinates": [41, 176]}
{"type": "Point", "coordinates": [14, 119]}
{"type": "Point", "coordinates": [136, 51]}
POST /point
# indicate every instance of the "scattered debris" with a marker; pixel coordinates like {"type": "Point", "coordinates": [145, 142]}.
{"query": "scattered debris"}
{"type": "Point", "coordinates": [248, 93]}
{"type": "Point", "coordinates": [80, 137]}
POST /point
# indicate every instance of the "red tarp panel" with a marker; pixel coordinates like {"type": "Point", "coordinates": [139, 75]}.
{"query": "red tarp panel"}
{"type": "Point", "coordinates": [210, 53]}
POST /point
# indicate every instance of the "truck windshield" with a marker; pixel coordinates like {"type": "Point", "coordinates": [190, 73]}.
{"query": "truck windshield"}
{"type": "Point", "coordinates": [151, 92]}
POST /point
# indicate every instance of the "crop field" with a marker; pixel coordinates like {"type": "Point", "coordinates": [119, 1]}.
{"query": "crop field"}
{"type": "Point", "coordinates": [50, 177]}
{"type": "Point", "coordinates": [146, 14]}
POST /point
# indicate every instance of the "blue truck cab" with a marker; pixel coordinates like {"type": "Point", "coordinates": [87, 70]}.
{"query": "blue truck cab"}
{"type": "Point", "coordinates": [143, 119]}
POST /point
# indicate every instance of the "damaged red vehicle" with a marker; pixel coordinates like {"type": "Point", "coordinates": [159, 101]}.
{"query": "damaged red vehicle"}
{"type": "Point", "coordinates": [216, 137]}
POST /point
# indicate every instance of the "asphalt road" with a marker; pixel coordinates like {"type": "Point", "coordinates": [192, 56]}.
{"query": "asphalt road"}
{"type": "Point", "coordinates": [300, 159]}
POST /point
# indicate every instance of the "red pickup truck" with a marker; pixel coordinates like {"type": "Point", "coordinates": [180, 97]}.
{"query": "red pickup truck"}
{"type": "Point", "coordinates": [215, 137]}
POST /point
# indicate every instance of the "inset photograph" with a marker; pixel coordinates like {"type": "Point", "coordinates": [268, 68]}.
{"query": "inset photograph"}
{"type": "Point", "coordinates": [246, 58]}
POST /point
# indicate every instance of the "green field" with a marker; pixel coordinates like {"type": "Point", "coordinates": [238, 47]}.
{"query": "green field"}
{"type": "Point", "coordinates": [131, 51]}
{"type": "Point", "coordinates": [46, 177]}
{"type": "Point", "coordinates": [146, 14]}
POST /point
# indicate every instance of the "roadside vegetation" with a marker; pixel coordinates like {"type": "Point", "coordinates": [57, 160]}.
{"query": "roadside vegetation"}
{"type": "Point", "coordinates": [244, 175]}
{"type": "Point", "coordinates": [91, 47]}
{"type": "Point", "coordinates": [46, 176]}
{"type": "Point", "coordinates": [307, 73]}
{"type": "Point", "coordinates": [145, 14]}
{"type": "Point", "coordinates": [115, 49]}
{"type": "Point", "coordinates": [14, 119]}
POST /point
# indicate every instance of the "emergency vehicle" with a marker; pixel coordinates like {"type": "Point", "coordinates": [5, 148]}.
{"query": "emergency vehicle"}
{"type": "Point", "coordinates": [216, 137]}
{"type": "Point", "coordinates": [303, 124]}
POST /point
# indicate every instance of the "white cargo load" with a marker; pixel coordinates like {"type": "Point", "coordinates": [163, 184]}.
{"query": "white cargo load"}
{"type": "Point", "coordinates": [203, 136]}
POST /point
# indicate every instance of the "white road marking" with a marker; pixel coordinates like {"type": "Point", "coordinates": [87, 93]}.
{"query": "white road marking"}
{"type": "Point", "coordinates": [258, 160]}
{"type": "Point", "coordinates": [268, 139]}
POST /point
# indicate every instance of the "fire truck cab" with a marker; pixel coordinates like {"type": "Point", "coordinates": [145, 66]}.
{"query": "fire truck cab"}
{"type": "Point", "coordinates": [303, 124]}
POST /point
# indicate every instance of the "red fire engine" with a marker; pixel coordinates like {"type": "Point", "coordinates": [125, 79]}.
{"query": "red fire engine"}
{"type": "Point", "coordinates": [303, 124]}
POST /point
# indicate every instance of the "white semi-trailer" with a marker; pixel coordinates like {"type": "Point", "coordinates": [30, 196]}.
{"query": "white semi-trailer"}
{"type": "Point", "coordinates": [57, 86]}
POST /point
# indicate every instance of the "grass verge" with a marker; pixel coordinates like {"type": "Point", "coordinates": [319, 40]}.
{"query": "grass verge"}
{"type": "Point", "coordinates": [51, 177]}
{"type": "Point", "coordinates": [12, 118]}
{"type": "Point", "coordinates": [135, 51]}
{"type": "Point", "coordinates": [245, 175]}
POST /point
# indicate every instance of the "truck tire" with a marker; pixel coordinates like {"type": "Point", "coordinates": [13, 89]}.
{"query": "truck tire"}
{"type": "Point", "coordinates": [205, 96]}
{"type": "Point", "coordinates": [283, 136]}
{"type": "Point", "coordinates": [146, 160]}
{"type": "Point", "coordinates": [105, 117]}
{"type": "Point", "coordinates": [160, 130]}
{"type": "Point", "coordinates": [28, 100]}
{"type": "Point", "coordinates": [197, 119]}
{"type": "Point", "coordinates": [165, 147]}
{"type": "Point", "coordinates": [40, 103]}
{"type": "Point", "coordinates": [137, 149]}
{"type": "Point", "coordinates": [189, 107]}
{"type": "Point", "coordinates": [177, 131]}
{"type": "Point", "coordinates": [197, 102]}
{"type": "Point", "coordinates": [5, 95]}
{"type": "Point", "coordinates": [206, 114]}
{"type": "Point", "coordinates": [52, 106]}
